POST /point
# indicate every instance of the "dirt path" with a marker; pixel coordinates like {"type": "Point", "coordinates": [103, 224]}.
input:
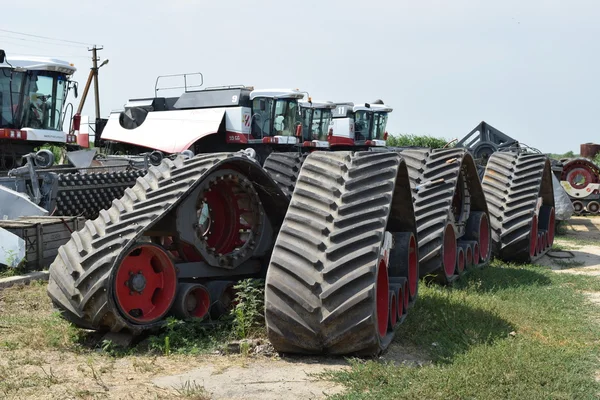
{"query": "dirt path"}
{"type": "Point", "coordinates": [581, 255]}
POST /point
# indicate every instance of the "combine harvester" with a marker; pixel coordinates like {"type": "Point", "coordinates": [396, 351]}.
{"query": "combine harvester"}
{"type": "Point", "coordinates": [33, 91]}
{"type": "Point", "coordinates": [177, 241]}
{"type": "Point", "coordinates": [331, 226]}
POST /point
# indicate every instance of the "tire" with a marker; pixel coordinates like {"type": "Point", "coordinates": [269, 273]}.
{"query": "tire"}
{"type": "Point", "coordinates": [513, 184]}
{"type": "Point", "coordinates": [284, 169]}
{"type": "Point", "coordinates": [436, 177]}
{"type": "Point", "coordinates": [321, 293]}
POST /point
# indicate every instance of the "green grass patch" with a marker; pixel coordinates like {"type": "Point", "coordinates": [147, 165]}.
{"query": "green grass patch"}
{"type": "Point", "coordinates": [27, 320]}
{"type": "Point", "coordinates": [504, 331]}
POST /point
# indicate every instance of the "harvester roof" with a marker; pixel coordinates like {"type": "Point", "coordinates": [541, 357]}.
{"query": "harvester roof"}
{"type": "Point", "coordinates": [373, 107]}
{"type": "Point", "coordinates": [277, 93]}
{"type": "Point", "coordinates": [318, 104]}
{"type": "Point", "coordinates": [39, 64]}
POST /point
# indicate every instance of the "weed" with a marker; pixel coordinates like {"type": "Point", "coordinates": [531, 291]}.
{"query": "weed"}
{"type": "Point", "coordinates": [192, 390]}
{"type": "Point", "coordinates": [248, 313]}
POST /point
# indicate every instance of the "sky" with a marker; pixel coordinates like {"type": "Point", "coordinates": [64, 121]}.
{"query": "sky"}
{"type": "Point", "coordinates": [528, 68]}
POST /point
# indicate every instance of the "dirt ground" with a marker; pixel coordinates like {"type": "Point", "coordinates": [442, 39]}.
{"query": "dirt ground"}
{"type": "Point", "coordinates": [36, 372]}
{"type": "Point", "coordinates": [581, 248]}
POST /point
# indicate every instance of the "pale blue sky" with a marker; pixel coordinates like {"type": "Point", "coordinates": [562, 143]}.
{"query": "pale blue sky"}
{"type": "Point", "coordinates": [529, 68]}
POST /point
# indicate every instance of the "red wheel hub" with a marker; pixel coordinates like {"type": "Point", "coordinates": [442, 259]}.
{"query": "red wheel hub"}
{"type": "Point", "coordinates": [533, 236]}
{"type": "Point", "coordinates": [145, 284]}
{"type": "Point", "coordinates": [225, 215]}
{"type": "Point", "coordinates": [484, 238]}
{"type": "Point", "coordinates": [412, 266]}
{"type": "Point", "coordinates": [580, 173]}
{"type": "Point", "coordinates": [449, 250]}
{"type": "Point", "coordinates": [383, 299]}
{"type": "Point", "coordinates": [460, 260]}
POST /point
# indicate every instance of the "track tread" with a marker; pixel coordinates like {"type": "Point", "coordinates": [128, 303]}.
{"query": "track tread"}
{"type": "Point", "coordinates": [284, 169]}
{"type": "Point", "coordinates": [80, 274]}
{"type": "Point", "coordinates": [344, 267]}
{"type": "Point", "coordinates": [510, 217]}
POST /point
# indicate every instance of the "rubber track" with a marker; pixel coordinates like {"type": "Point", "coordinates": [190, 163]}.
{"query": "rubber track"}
{"type": "Point", "coordinates": [320, 284]}
{"type": "Point", "coordinates": [432, 204]}
{"type": "Point", "coordinates": [80, 274]}
{"type": "Point", "coordinates": [512, 184]}
{"type": "Point", "coordinates": [86, 194]}
{"type": "Point", "coordinates": [284, 169]}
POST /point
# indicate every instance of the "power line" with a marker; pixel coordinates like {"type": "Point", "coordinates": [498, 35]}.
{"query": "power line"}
{"type": "Point", "coordinates": [40, 41]}
{"type": "Point", "coordinates": [44, 37]}
{"type": "Point", "coordinates": [50, 56]}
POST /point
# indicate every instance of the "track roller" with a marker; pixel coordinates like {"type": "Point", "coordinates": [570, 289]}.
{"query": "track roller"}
{"type": "Point", "coordinates": [192, 301]}
{"type": "Point", "coordinates": [327, 285]}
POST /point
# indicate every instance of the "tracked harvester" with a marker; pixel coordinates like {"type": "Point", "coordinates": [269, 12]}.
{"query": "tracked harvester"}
{"type": "Point", "coordinates": [340, 226]}
{"type": "Point", "coordinates": [451, 211]}
{"type": "Point", "coordinates": [178, 239]}
{"type": "Point", "coordinates": [519, 193]}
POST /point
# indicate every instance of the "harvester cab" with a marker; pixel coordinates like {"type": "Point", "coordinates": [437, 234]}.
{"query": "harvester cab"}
{"type": "Point", "coordinates": [360, 125]}
{"type": "Point", "coordinates": [276, 116]}
{"type": "Point", "coordinates": [33, 93]}
{"type": "Point", "coordinates": [225, 118]}
{"type": "Point", "coordinates": [316, 123]}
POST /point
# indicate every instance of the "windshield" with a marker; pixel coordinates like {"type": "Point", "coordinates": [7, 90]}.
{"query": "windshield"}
{"type": "Point", "coordinates": [45, 94]}
{"type": "Point", "coordinates": [320, 124]}
{"type": "Point", "coordinates": [10, 90]}
{"type": "Point", "coordinates": [380, 119]}
{"type": "Point", "coordinates": [307, 114]}
{"type": "Point", "coordinates": [362, 124]}
{"type": "Point", "coordinates": [286, 117]}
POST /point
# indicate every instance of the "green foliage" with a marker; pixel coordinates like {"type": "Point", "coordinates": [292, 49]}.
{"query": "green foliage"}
{"type": "Point", "coordinates": [568, 154]}
{"type": "Point", "coordinates": [248, 313]}
{"type": "Point", "coordinates": [414, 140]}
{"type": "Point", "coordinates": [58, 152]}
{"type": "Point", "coordinates": [597, 159]}
{"type": "Point", "coordinates": [195, 336]}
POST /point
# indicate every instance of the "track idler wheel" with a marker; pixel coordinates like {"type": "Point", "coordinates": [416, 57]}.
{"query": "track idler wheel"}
{"type": "Point", "coordinates": [192, 301]}
{"type": "Point", "coordinates": [223, 220]}
{"type": "Point", "coordinates": [533, 237]}
{"type": "Point", "coordinates": [449, 252]}
{"type": "Point", "coordinates": [478, 230]}
{"type": "Point", "coordinates": [404, 262]}
{"type": "Point", "coordinates": [144, 283]}
{"type": "Point", "coordinates": [547, 222]}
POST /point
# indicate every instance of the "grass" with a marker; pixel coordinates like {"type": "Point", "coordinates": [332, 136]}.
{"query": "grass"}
{"type": "Point", "coordinates": [28, 322]}
{"type": "Point", "coordinates": [504, 332]}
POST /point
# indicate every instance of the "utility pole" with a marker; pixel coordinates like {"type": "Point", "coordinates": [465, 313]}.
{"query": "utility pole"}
{"type": "Point", "coordinates": [95, 60]}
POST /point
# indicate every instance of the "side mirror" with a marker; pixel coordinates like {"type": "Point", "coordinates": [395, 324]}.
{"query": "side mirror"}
{"type": "Point", "coordinates": [75, 86]}
{"type": "Point", "coordinates": [2, 56]}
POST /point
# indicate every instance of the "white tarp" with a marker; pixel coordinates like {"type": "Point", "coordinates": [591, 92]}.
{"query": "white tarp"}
{"type": "Point", "coordinates": [12, 249]}
{"type": "Point", "coordinates": [167, 131]}
{"type": "Point", "coordinates": [563, 208]}
{"type": "Point", "coordinates": [14, 205]}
